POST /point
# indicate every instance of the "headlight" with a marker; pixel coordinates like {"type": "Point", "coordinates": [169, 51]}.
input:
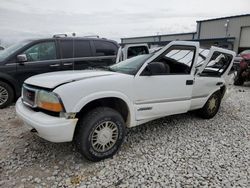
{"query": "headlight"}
{"type": "Point", "coordinates": [49, 101]}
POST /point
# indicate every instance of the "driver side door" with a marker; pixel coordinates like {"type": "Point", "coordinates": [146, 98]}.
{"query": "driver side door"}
{"type": "Point", "coordinates": [159, 95]}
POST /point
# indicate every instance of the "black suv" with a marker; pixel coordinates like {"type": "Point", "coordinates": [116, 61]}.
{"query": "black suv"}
{"type": "Point", "coordinates": [31, 57]}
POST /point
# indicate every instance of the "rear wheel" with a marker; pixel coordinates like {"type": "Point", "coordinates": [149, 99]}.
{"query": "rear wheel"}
{"type": "Point", "coordinates": [100, 133]}
{"type": "Point", "coordinates": [6, 95]}
{"type": "Point", "coordinates": [211, 107]}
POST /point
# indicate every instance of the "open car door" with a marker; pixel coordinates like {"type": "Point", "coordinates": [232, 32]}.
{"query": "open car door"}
{"type": "Point", "coordinates": [209, 73]}
{"type": "Point", "coordinates": [167, 89]}
{"type": "Point", "coordinates": [217, 64]}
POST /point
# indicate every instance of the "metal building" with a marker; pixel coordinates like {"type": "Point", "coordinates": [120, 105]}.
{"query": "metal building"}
{"type": "Point", "coordinates": [231, 32]}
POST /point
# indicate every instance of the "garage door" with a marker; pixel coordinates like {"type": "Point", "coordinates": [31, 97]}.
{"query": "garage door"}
{"type": "Point", "coordinates": [245, 37]}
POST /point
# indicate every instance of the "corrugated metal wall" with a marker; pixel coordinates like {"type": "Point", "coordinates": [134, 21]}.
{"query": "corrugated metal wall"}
{"type": "Point", "coordinates": [207, 29]}
{"type": "Point", "coordinates": [245, 37]}
{"type": "Point", "coordinates": [218, 28]}
{"type": "Point", "coordinates": [157, 38]}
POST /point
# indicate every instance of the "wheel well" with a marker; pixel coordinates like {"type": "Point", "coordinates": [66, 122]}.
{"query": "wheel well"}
{"type": "Point", "coordinates": [112, 102]}
{"type": "Point", "coordinates": [11, 85]}
{"type": "Point", "coordinates": [222, 91]}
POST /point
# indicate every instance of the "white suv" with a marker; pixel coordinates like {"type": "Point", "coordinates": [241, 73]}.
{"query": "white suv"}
{"type": "Point", "coordinates": [93, 107]}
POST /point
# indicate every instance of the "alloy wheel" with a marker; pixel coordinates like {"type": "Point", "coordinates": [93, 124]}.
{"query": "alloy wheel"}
{"type": "Point", "coordinates": [212, 104]}
{"type": "Point", "coordinates": [104, 136]}
{"type": "Point", "coordinates": [3, 95]}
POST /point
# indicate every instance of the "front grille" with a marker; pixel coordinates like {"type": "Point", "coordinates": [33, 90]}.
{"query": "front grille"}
{"type": "Point", "coordinates": [29, 96]}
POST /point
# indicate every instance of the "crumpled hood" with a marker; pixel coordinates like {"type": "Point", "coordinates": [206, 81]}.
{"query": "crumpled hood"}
{"type": "Point", "coordinates": [54, 79]}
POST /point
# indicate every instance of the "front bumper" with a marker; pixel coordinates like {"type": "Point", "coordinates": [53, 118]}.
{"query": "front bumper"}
{"type": "Point", "coordinates": [54, 129]}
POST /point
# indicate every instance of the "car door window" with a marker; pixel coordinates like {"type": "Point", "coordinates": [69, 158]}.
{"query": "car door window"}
{"type": "Point", "coordinates": [203, 53]}
{"type": "Point", "coordinates": [176, 60]}
{"type": "Point", "coordinates": [82, 49]}
{"type": "Point", "coordinates": [137, 50]}
{"type": "Point", "coordinates": [103, 48]}
{"type": "Point", "coordinates": [41, 51]}
{"type": "Point", "coordinates": [217, 65]}
{"type": "Point", "coordinates": [66, 48]}
{"type": "Point", "coordinates": [76, 48]}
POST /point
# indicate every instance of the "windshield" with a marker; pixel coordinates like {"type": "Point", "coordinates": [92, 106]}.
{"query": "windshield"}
{"type": "Point", "coordinates": [8, 51]}
{"type": "Point", "coordinates": [132, 65]}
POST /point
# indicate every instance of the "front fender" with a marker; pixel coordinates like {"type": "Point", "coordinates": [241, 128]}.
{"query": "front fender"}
{"type": "Point", "coordinates": [105, 94]}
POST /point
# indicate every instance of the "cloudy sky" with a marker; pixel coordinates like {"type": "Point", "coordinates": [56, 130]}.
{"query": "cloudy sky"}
{"type": "Point", "coordinates": [113, 19]}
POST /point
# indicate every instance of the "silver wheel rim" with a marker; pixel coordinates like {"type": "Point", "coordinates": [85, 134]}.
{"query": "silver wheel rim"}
{"type": "Point", "coordinates": [212, 104]}
{"type": "Point", "coordinates": [3, 95]}
{"type": "Point", "coordinates": [104, 136]}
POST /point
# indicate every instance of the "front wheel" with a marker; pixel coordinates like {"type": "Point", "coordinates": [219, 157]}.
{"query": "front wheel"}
{"type": "Point", "coordinates": [6, 95]}
{"type": "Point", "coordinates": [211, 107]}
{"type": "Point", "coordinates": [100, 133]}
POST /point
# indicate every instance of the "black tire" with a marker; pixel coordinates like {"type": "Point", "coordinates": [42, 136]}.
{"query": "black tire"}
{"type": "Point", "coordinates": [239, 81]}
{"type": "Point", "coordinates": [86, 130]}
{"type": "Point", "coordinates": [6, 95]}
{"type": "Point", "coordinates": [207, 111]}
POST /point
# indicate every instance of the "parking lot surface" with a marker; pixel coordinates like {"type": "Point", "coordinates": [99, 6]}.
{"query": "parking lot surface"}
{"type": "Point", "coordinates": [175, 151]}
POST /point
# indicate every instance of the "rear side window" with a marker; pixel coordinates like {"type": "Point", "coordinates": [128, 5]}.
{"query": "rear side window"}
{"type": "Point", "coordinates": [77, 48]}
{"type": "Point", "coordinates": [137, 50]}
{"type": "Point", "coordinates": [82, 48]}
{"type": "Point", "coordinates": [103, 48]}
{"type": "Point", "coordinates": [66, 49]}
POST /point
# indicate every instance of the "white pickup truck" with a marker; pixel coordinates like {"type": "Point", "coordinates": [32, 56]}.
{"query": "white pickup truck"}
{"type": "Point", "coordinates": [94, 107]}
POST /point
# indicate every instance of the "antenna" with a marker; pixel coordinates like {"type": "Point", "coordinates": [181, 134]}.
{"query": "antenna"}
{"type": "Point", "coordinates": [73, 34]}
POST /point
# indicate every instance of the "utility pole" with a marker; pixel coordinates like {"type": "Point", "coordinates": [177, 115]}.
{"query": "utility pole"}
{"type": "Point", "coordinates": [73, 35]}
{"type": "Point", "coordinates": [227, 26]}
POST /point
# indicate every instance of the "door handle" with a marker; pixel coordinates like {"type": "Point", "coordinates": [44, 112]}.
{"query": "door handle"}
{"type": "Point", "coordinates": [189, 82]}
{"type": "Point", "coordinates": [68, 64]}
{"type": "Point", "coordinates": [55, 65]}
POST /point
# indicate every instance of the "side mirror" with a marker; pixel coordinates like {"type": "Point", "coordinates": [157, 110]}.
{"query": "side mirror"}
{"type": "Point", "coordinates": [156, 68]}
{"type": "Point", "coordinates": [22, 58]}
{"type": "Point", "coordinates": [147, 71]}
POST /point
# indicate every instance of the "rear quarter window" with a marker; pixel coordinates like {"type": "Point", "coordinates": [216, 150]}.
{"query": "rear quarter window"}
{"type": "Point", "coordinates": [105, 48]}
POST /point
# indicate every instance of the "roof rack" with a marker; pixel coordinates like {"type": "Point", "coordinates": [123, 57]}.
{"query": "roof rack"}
{"type": "Point", "coordinates": [92, 36]}
{"type": "Point", "coordinates": [59, 35]}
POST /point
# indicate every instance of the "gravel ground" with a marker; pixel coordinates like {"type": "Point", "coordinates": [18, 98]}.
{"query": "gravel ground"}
{"type": "Point", "coordinates": [176, 151]}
